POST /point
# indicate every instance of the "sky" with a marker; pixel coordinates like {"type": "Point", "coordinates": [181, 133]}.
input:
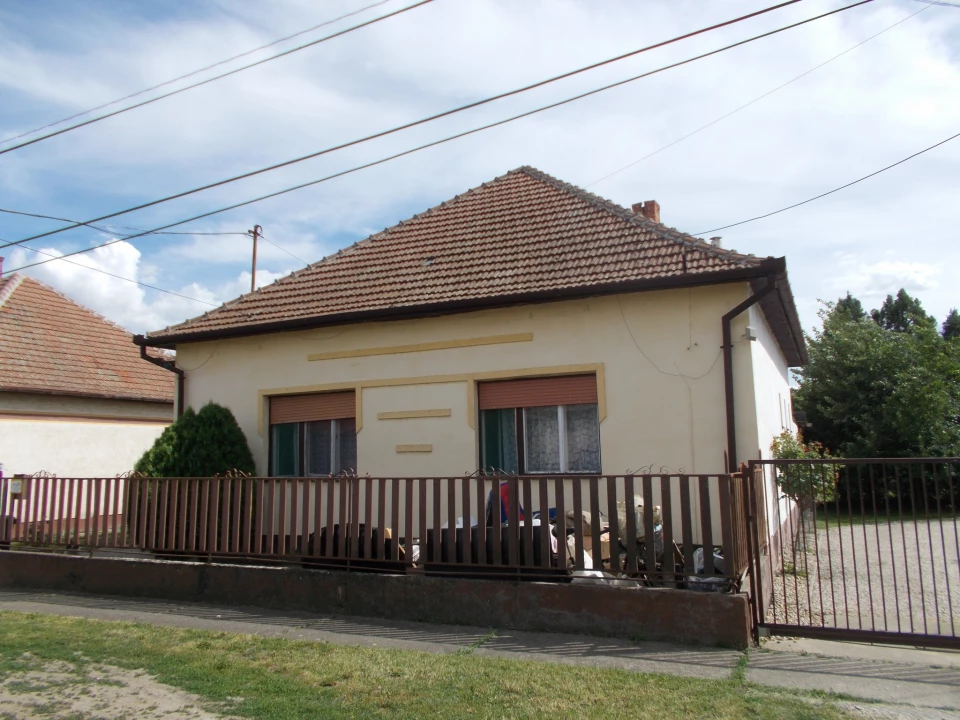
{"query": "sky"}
{"type": "Point", "coordinates": [892, 96]}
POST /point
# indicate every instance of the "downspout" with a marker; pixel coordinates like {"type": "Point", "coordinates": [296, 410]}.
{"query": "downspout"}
{"type": "Point", "coordinates": [170, 365]}
{"type": "Point", "coordinates": [728, 367]}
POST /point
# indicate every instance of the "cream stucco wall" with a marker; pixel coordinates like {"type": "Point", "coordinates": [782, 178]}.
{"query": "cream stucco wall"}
{"type": "Point", "coordinates": [659, 354]}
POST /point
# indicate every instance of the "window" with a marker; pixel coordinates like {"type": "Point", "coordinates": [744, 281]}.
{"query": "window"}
{"type": "Point", "coordinates": [552, 439]}
{"type": "Point", "coordinates": [312, 434]}
{"type": "Point", "coordinates": [540, 425]}
{"type": "Point", "coordinates": [328, 446]}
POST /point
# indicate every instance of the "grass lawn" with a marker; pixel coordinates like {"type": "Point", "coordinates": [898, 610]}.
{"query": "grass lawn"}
{"type": "Point", "coordinates": [252, 677]}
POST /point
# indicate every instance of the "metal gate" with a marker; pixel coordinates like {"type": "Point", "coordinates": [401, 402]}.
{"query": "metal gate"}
{"type": "Point", "coordinates": [857, 549]}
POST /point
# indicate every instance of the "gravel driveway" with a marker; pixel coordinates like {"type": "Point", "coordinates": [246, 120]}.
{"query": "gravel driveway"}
{"type": "Point", "coordinates": [893, 576]}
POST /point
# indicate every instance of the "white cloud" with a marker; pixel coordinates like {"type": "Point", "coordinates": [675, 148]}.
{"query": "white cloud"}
{"type": "Point", "coordinates": [133, 306]}
{"type": "Point", "coordinates": [875, 105]}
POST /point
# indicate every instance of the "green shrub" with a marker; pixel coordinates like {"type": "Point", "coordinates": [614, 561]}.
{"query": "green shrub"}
{"type": "Point", "coordinates": [198, 444]}
{"type": "Point", "coordinates": [806, 484]}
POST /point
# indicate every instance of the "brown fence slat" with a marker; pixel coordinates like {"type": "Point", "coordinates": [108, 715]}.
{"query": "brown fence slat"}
{"type": "Point", "coordinates": [343, 517]}
{"type": "Point", "coordinates": [726, 530]}
{"type": "Point", "coordinates": [93, 495]}
{"type": "Point", "coordinates": [422, 491]}
{"type": "Point", "coordinates": [467, 523]}
{"type": "Point", "coordinates": [194, 538]}
{"type": "Point", "coordinates": [513, 520]}
{"type": "Point", "coordinates": [408, 521]}
{"type": "Point", "coordinates": [481, 521]}
{"type": "Point", "coordinates": [436, 554]}
{"type": "Point", "coordinates": [203, 514]}
{"type": "Point", "coordinates": [281, 547]}
{"type": "Point", "coordinates": [317, 515]}
{"type": "Point", "coordinates": [72, 512]}
{"type": "Point", "coordinates": [143, 493]}
{"type": "Point", "coordinates": [648, 539]}
{"type": "Point", "coordinates": [496, 523]}
{"type": "Point", "coordinates": [527, 521]}
{"type": "Point", "coordinates": [354, 484]}
{"type": "Point", "coordinates": [449, 538]}
{"type": "Point", "coordinates": [666, 515]}
{"type": "Point", "coordinates": [560, 527]}
{"type": "Point", "coordinates": [594, 484]}
{"type": "Point", "coordinates": [706, 524]}
{"type": "Point", "coordinates": [614, 519]}
{"type": "Point", "coordinates": [238, 521]}
{"type": "Point", "coordinates": [153, 505]}
{"type": "Point", "coordinates": [545, 549]}
{"type": "Point", "coordinates": [116, 494]}
{"type": "Point", "coordinates": [182, 522]}
{"type": "Point", "coordinates": [368, 519]}
{"type": "Point", "coordinates": [174, 494]}
{"type": "Point", "coordinates": [381, 519]}
{"type": "Point", "coordinates": [686, 527]}
{"type": "Point", "coordinates": [213, 507]}
{"type": "Point", "coordinates": [631, 540]}
{"type": "Point", "coordinates": [62, 487]}
{"type": "Point", "coordinates": [395, 520]}
{"type": "Point", "coordinates": [328, 549]}
{"type": "Point", "coordinates": [578, 559]}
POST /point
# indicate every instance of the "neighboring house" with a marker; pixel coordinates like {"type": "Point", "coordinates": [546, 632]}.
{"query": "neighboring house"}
{"type": "Point", "coordinates": [76, 399]}
{"type": "Point", "coordinates": [525, 325]}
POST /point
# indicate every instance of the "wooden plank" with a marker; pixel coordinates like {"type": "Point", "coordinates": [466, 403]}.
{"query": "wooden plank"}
{"type": "Point", "coordinates": [72, 512]}
{"type": "Point", "coordinates": [318, 515]}
{"type": "Point", "coordinates": [666, 500]}
{"type": "Point", "coordinates": [204, 500]}
{"type": "Point", "coordinates": [513, 520]}
{"type": "Point", "coordinates": [144, 497]}
{"type": "Point", "coordinates": [213, 507]}
{"type": "Point", "coordinates": [258, 516]}
{"type": "Point", "coordinates": [224, 491]}
{"type": "Point", "coordinates": [171, 526]}
{"type": "Point", "coordinates": [631, 539]}
{"type": "Point", "coordinates": [354, 485]}
{"type": "Point", "coordinates": [282, 539]}
{"type": "Point", "coordinates": [381, 518]}
{"type": "Point", "coordinates": [706, 520]}
{"type": "Point", "coordinates": [40, 531]}
{"type": "Point", "coordinates": [578, 560]}
{"type": "Point", "coordinates": [62, 487]}
{"type": "Point", "coordinates": [726, 530]}
{"type": "Point", "coordinates": [184, 499]}
{"type": "Point", "coordinates": [331, 487]}
{"type": "Point", "coordinates": [615, 566]}
{"type": "Point", "coordinates": [527, 494]}
{"type": "Point", "coordinates": [237, 521]}
{"type": "Point", "coordinates": [114, 539]}
{"type": "Point", "coordinates": [595, 522]}
{"type": "Point", "coordinates": [153, 507]}
{"type": "Point", "coordinates": [450, 541]}
{"type": "Point", "coordinates": [343, 517]}
{"type": "Point", "coordinates": [481, 521]}
{"type": "Point", "coordinates": [496, 523]}
{"type": "Point", "coordinates": [129, 508]}
{"type": "Point", "coordinates": [161, 532]}
{"type": "Point", "coordinates": [467, 524]}
{"type": "Point", "coordinates": [544, 523]}
{"type": "Point", "coordinates": [395, 520]}
{"type": "Point", "coordinates": [437, 534]}
{"type": "Point", "coordinates": [194, 541]}
{"type": "Point", "coordinates": [648, 540]}
{"type": "Point", "coordinates": [561, 523]}
{"type": "Point", "coordinates": [368, 519]}
{"type": "Point", "coordinates": [422, 485]}
{"type": "Point", "coordinates": [248, 515]}
{"type": "Point", "coordinates": [686, 527]}
{"type": "Point", "coordinates": [408, 522]}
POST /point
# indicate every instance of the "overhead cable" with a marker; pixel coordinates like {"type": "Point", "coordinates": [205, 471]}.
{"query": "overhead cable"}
{"type": "Point", "coordinates": [831, 192]}
{"type": "Point", "coordinates": [192, 73]}
{"type": "Point", "coordinates": [755, 100]}
{"type": "Point", "coordinates": [25, 143]}
{"type": "Point", "coordinates": [477, 129]}
{"type": "Point", "coordinates": [459, 109]}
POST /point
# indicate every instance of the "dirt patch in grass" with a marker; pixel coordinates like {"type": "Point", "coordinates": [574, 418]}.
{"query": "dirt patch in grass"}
{"type": "Point", "coordinates": [60, 690]}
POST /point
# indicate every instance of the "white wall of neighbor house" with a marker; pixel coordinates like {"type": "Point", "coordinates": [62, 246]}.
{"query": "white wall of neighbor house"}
{"type": "Point", "coordinates": [659, 352]}
{"type": "Point", "coordinates": [76, 437]}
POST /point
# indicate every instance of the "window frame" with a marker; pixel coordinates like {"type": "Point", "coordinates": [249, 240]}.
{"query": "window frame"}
{"type": "Point", "coordinates": [521, 439]}
{"type": "Point", "coordinates": [302, 439]}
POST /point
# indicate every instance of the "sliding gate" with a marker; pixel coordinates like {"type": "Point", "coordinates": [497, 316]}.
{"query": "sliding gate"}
{"type": "Point", "coordinates": [857, 549]}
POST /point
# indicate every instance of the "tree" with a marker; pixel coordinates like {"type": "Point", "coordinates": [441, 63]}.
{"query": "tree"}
{"type": "Point", "coordinates": [199, 445]}
{"type": "Point", "coordinates": [807, 484]}
{"type": "Point", "coordinates": [951, 326]}
{"type": "Point", "coordinates": [902, 314]}
{"type": "Point", "coordinates": [889, 388]}
{"type": "Point", "coordinates": [851, 307]}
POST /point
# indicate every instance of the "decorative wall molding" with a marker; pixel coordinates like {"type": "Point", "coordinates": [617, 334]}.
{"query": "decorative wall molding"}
{"type": "Point", "coordinates": [409, 414]}
{"type": "Point", "coordinates": [421, 347]}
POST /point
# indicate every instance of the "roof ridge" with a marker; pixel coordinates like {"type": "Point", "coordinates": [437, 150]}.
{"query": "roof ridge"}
{"type": "Point", "coordinates": [11, 284]}
{"type": "Point", "coordinates": [668, 233]}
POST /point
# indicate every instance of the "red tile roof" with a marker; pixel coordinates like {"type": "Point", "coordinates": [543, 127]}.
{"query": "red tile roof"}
{"type": "Point", "coordinates": [522, 236]}
{"type": "Point", "coordinates": [50, 344]}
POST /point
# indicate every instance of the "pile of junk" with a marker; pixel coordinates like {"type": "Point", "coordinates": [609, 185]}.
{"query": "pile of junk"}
{"type": "Point", "coordinates": [597, 565]}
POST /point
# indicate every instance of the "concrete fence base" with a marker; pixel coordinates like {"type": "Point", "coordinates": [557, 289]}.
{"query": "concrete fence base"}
{"type": "Point", "coordinates": [651, 614]}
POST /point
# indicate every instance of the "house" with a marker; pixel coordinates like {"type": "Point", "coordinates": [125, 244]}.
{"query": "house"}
{"type": "Point", "coordinates": [76, 399]}
{"type": "Point", "coordinates": [525, 325]}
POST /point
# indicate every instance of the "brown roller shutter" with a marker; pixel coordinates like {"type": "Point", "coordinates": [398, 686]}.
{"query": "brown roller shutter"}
{"type": "Point", "coordinates": [317, 406]}
{"type": "Point", "coordinates": [535, 392]}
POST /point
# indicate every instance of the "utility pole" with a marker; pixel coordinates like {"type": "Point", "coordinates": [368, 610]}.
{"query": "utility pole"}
{"type": "Point", "coordinates": [255, 233]}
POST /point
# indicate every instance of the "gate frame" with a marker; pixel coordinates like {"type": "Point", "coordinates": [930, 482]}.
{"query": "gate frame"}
{"type": "Point", "coordinates": [759, 604]}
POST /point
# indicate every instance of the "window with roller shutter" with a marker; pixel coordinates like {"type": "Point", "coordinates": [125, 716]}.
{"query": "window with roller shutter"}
{"type": "Point", "coordinates": [540, 425]}
{"type": "Point", "coordinates": [313, 434]}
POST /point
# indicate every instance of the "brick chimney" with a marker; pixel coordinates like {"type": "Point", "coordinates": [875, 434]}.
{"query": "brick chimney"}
{"type": "Point", "coordinates": [649, 209]}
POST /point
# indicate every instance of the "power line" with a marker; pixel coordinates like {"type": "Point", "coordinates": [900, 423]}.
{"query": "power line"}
{"type": "Point", "coordinates": [445, 113]}
{"type": "Point", "coordinates": [212, 79]}
{"type": "Point", "coordinates": [119, 277]}
{"type": "Point", "coordinates": [105, 229]}
{"type": "Point", "coordinates": [756, 99]}
{"type": "Point", "coordinates": [939, 2]}
{"type": "Point", "coordinates": [831, 192]}
{"type": "Point", "coordinates": [284, 250]}
{"type": "Point", "coordinates": [469, 132]}
{"type": "Point", "coordinates": [191, 74]}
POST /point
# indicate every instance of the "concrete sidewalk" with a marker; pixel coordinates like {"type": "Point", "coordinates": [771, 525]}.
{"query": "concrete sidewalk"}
{"type": "Point", "coordinates": [910, 683]}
